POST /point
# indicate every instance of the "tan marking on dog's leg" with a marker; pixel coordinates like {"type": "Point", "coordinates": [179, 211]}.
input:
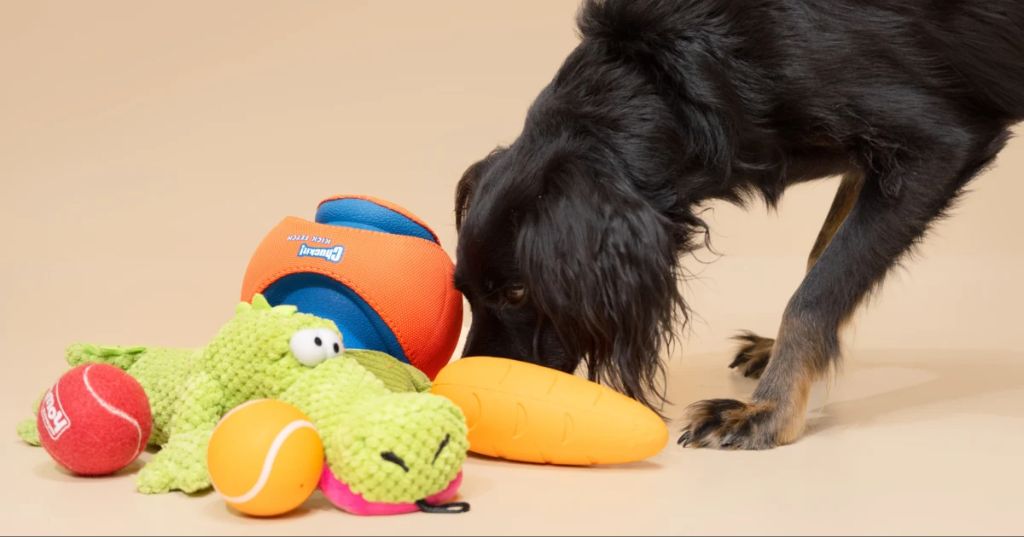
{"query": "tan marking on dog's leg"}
{"type": "Point", "coordinates": [846, 197]}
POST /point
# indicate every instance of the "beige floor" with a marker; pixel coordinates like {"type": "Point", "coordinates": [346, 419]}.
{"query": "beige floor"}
{"type": "Point", "coordinates": [915, 442]}
{"type": "Point", "coordinates": [147, 147]}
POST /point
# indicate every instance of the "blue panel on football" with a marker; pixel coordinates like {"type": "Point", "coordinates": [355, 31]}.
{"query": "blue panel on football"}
{"type": "Point", "coordinates": [361, 326]}
{"type": "Point", "coordinates": [365, 214]}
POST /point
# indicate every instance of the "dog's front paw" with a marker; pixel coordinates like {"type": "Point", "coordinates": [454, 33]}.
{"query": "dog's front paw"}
{"type": "Point", "coordinates": [730, 424]}
{"type": "Point", "coordinates": [753, 355]}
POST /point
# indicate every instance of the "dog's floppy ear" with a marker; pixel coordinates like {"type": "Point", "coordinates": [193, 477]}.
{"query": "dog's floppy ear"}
{"type": "Point", "coordinates": [467, 184]}
{"type": "Point", "coordinates": [601, 266]}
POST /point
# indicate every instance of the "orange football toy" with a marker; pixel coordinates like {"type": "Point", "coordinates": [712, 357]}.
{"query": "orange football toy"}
{"type": "Point", "coordinates": [525, 412]}
{"type": "Point", "coordinates": [373, 268]}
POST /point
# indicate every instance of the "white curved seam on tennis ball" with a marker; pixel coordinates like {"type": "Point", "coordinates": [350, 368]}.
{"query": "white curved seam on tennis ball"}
{"type": "Point", "coordinates": [115, 411]}
{"type": "Point", "coordinates": [240, 407]}
{"type": "Point", "coordinates": [268, 462]}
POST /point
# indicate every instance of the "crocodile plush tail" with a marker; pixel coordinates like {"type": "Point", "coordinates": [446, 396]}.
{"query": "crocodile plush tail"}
{"type": "Point", "coordinates": [86, 353]}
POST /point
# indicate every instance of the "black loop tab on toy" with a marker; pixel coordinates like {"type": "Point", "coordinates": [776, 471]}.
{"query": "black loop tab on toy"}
{"type": "Point", "coordinates": [448, 508]}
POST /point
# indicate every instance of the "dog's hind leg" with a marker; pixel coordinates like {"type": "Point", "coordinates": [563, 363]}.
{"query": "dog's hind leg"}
{"type": "Point", "coordinates": [752, 357]}
{"type": "Point", "coordinates": [846, 196]}
{"type": "Point", "coordinates": [894, 209]}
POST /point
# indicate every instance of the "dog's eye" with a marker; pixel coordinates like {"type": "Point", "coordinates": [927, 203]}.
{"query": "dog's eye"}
{"type": "Point", "coordinates": [515, 293]}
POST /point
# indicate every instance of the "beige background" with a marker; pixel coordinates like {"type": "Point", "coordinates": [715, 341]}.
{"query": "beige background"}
{"type": "Point", "coordinates": [146, 147]}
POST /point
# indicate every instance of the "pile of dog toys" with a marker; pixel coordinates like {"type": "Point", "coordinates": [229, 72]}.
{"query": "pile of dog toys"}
{"type": "Point", "coordinates": [333, 374]}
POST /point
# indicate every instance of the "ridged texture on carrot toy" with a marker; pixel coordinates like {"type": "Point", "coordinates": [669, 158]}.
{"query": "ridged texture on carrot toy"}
{"type": "Point", "coordinates": [524, 412]}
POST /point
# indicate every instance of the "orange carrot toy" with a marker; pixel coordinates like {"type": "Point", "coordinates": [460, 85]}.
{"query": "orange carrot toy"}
{"type": "Point", "coordinates": [524, 412]}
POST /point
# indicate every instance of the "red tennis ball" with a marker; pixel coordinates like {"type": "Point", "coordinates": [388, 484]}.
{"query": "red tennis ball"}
{"type": "Point", "coordinates": [95, 420]}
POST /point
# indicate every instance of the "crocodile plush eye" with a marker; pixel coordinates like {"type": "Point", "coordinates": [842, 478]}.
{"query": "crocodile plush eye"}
{"type": "Point", "coordinates": [314, 345]}
{"type": "Point", "coordinates": [332, 342]}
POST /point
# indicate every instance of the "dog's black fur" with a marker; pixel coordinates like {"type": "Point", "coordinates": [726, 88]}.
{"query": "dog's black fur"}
{"type": "Point", "coordinates": [570, 237]}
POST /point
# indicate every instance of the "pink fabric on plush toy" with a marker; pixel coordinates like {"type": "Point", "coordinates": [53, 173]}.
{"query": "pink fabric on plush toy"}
{"type": "Point", "coordinates": [345, 499]}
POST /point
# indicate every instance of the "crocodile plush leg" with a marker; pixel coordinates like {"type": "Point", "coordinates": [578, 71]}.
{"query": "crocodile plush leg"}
{"type": "Point", "coordinates": [181, 463]}
{"type": "Point", "coordinates": [28, 431]}
{"type": "Point", "coordinates": [87, 353]}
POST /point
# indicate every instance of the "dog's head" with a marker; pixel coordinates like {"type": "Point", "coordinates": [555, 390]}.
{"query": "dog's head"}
{"type": "Point", "coordinates": [563, 262]}
{"type": "Point", "coordinates": [569, 238]}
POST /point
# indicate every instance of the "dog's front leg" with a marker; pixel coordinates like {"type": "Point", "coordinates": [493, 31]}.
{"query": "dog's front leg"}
{"type": "Point", "coordinates": [807, 342]}
{"type": "Point", "coordinates": [755, 351]}
{"type": "Point", "coordinates": [881, 227]}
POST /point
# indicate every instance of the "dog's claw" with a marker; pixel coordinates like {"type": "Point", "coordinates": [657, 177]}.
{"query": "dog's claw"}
{"type": "Point", "coordinates": [730, 424]}
{"type": "Point", "coordinates": [753, 356]}
{"type": "Point", "coordinates": [740, 359]}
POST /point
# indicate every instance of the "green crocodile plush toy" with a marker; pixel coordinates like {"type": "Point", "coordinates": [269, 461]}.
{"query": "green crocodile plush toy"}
{"type": "Point", "coordinates": [362, 403]}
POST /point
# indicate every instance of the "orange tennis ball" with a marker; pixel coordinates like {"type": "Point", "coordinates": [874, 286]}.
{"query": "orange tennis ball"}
{"type": "Point", "coordinates": [265, 458]}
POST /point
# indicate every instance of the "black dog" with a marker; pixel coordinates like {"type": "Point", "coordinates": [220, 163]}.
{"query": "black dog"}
{"type": "Point", "coordinates": [570, 237]}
